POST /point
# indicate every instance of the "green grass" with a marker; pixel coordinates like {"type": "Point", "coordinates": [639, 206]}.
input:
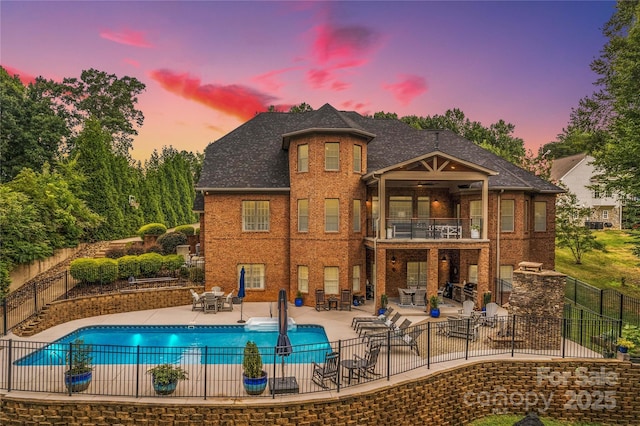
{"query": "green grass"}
{"type": "Point", "coordinates": [605, 269]}
{"type": "Point", "coordinates": [510, 419]}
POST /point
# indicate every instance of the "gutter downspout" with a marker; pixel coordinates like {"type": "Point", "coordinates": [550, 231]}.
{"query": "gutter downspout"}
{"type": "Point", "coordinates": [498, 227]}
{"type": "Point", "coordinates": [375, 251]}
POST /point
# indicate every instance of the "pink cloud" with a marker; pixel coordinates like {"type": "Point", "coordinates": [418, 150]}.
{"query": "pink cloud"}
{"type": "Point", "coordinates": [408, 88]}
{"type": "Point", "coordinates": [317, 78]}
{"type": "Point", "coordinates": [270, 81]}
{"type": "Point", "coordinates": [355, 106]}
{"type": "Point", "coordinates": [339, 86]}
{"type": "Point", "coordinates": [132, 62]}
{"type": "Point", "coordinates": [128, 37]}
{"type": "Point", "coordinates": [23, 76]}
{"type": "Point", "coordinates": [236, 100]}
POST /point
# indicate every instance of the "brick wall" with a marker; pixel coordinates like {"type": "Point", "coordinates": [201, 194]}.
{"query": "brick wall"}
{"type": "Point", "coordinates": [571, 390]}
{"type": "Point", "coordinates": [84, 307]}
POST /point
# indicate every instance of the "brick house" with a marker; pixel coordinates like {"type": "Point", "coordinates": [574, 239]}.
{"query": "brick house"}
{"type": "Point", "coordinates": [333, 200]}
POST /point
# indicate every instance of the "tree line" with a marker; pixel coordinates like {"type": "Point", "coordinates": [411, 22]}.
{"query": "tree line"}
{"type": "Point", "coordinates": [66, 175]}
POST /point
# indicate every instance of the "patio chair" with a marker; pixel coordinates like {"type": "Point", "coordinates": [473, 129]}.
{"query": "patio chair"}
{"type": "Point", "coordinates": [345, 299]}
{"type": "Point", "coordinates": [380, 335]}
{"type": "Point", "coordinates": [321, 302]}
{"type": "Point", "coordinates": [489, 317]}
{"type": "Point", "coordinates": [420, 298]}
{"type": "Point", "coordinates": [467, 309]}
{"type": "Point", "coordinates": [405, 298]}
{"type": "Point", "coordinates": [198, 302]}
{"type": "Point", "coordinates": [404, 337]}
{"type": "Point", "coordinates": [367, 364]}
{"type": "Point", "coordinates": [377, 326]}
{"type": "Point", "coordinates": [327, 371]}
{"type": "Point", "coordinates": [465, 328]}
{"type": "Point", "coordinates": [356, 320]}
{"type": "Point", "coordinates": [226, 304]}
{"type": "Point", "coordinates": [216, 289]}
{"type": "Point", "coordinates": [210, 303]}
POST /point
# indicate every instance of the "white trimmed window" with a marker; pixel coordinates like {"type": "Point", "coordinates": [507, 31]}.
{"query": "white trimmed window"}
{"type": "Point", "coordinates": [255, 215]}
{"type": "Point", "coordinates": [540, 216]}
{"type": "Point", "coordinates": [356, 278]}
{"type": "Point", "coordinates": [303, 215]}
{"type": "Point", "coordinates": [253, 275]}
{"type": "Point", "coordinates": [475, 212]}
{"type": "Point", "coordinates": [332, 156]}
{"type": "Point", "coordinates": [400, 207]}
{"type": "Point", "coordinates": [417, 274]}
{"type": "Point", "coordinates": [506, 273]}
{"type": "Point", "coordinates": [303, 158]}
{"type": "Point", "coordinates": [357, 159]}
{"type": "Point", "coordinates": [303, 278]}
{"type": "Point", "coordinates": [331, 215]}
{"type": "Point", "coordinates": [507, 215]}
{"type": "Point", "coordinates": [356, 216]}
{"type": "Point", "coordinates": [605, 214]}
{"type": "Point", "coordinates": [424, 207]}
{"type": "Point", "coordinates": [331, 283]}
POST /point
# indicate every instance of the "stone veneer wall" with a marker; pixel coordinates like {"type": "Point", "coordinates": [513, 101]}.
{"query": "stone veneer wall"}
{"type": "Point", "coordinates": [573, 389]}
{"type": "Point", "coordinates": [89, 306]}
{"type": "Point", "coordinates": [539, 295]}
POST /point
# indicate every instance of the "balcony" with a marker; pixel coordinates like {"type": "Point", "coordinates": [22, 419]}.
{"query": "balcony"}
{"type": "Point", "coordinates": [430, 229]}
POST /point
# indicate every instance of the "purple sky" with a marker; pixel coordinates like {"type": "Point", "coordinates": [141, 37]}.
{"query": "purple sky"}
{"type": "Point", "coordinates": [209, 66]}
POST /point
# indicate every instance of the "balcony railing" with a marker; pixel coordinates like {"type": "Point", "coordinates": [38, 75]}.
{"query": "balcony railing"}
{"type": "Point", "coordinates": [434, 229]}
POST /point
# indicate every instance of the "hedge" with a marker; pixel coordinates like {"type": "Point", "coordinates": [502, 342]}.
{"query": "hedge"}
{"type": "Point", "coordinates": [107, 270]}
{"type": "Point", "coordinates": [94, 270]}
{"type": "Point", "coordinates": [170, 241]}
{"type": "Point", "coordinates": [128, 266]}
{"type": "Point", "coordinates": [172, 262]}
{"type": "Point", "coordinates": [152, 229]}
{"type": "Point", "coordinates": [150, 264]}
{"type": "Point", "coordinates": [185, 229]}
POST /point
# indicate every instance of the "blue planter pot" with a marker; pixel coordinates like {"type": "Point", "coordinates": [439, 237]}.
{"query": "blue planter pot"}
{"type": "Point", "coordinates": [165, 389]}
{"type": "Point", "coordinates": [623, 349]}
{"type": "Point", "coordinates": [381, 311]}
{"type": "Point", "coordinates": [255, 386]}
{"type": "Point", "coordinates": [77, 382]}
{"type": "Point", "coordinates": [434, 312]}
{"type": "Point", "coordinates": [299, 302]}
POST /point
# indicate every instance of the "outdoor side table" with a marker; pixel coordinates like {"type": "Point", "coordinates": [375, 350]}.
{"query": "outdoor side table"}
{"type": "Point", "coordinates": [350, 365]}
{"type": "Point", "coordinates": [333, 303]}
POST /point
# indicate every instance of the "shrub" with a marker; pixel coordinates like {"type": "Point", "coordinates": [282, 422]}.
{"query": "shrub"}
{"type": "Point", "coordinates": [170, 241]}
{"type": "Point", "coordinates": [172, 262]}
{"type": "Point", "coordinates": [5, 280]}
{"type": "Point", "coordinates": [128, 266]}
{"type": "Point", "coordinates": [152, 229]}
{"type": "Point", "coordinates": [115, 253]}
{"type": "Point", "coordinates": [197, 231]}
{"type": "Point", "coordinates": [84, 269]}
{"type": "Point", "coordinates": [156, 248]}
{"type": "Point", "coordinates": [150, 264]}
{"type": "Point", "coordinates": [185, 229]}
{"type": "Point", "coordinates": [196, 275]}
{"type": "Point", "coordinates": [135, 250]}
{"type": "Point", "coordinates": [107, 270]}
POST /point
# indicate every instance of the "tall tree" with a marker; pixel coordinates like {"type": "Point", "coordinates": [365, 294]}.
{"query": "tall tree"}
{"type": "Point", "coordinates": [105, 97]}
{"type": "Point", "coordinates": [32, 129]}
{"type": "Point", "coordinates": [570, 230]}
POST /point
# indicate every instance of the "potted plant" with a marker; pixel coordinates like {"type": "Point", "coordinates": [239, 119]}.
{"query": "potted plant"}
{"type": "Point", "coordinates": [254, 377]}
{"type": "Point", "coordinates": [384, 300]}
{"type": "Point", "coordinates": [78, 377]}
{"type": "Point", "coordinates": [624, 345]}
{"type": "Point", "coordinates": [299, 301]}
{"type": "Point", "coordinates": [475, 231]}
{"type": "Point", "coordinates": [165, 378]}
{"type": "Point", "coordinates": [434, 302]}
{"type": "Point", "coordinates": [486, 299]}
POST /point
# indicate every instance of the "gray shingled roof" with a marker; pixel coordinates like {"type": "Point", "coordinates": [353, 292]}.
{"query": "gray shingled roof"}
{"type": "Point", "coordinates": [252, 156]}
{"type": "Point", "coordinates": [561, 166]}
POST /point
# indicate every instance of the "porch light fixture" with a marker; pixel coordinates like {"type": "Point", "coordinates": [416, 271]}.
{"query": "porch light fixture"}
{"type": "Point", "coordinates": [444, 258]}
{"type": "Point", "coordinates": [393, 260]}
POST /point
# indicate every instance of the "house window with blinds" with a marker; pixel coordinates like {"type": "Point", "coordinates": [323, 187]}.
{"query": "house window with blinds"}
{"type": "Point", "coordinates": [332, 156]}
{"type": "Point", "coordinates": [255, 215]}
{"type": "Point", "coordinates": [303, 215]}
{"type": "Point", "coordinates": [331, 283]}
{"type": "Point", "coordinates": [331, 215]}
{"type": "Point", "coordinates": [253, 275]}
{"type": "Point", "coordinates": [303, 278]}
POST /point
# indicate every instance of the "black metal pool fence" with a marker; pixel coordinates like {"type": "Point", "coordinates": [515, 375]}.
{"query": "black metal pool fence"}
{"type": "Point", "coordinates": [40, 366]}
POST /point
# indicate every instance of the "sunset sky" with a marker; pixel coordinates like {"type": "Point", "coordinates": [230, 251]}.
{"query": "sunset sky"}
{"type": "Point", "coordinates": [209, 66]}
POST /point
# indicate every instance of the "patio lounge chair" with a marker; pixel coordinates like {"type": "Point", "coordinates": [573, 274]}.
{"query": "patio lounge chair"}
{"type": "Point", "coordinates": [345, 299]}
{"type": "Point", "coordinates": [198, 302]}
{"type": "Point", "coordinates": [465, 328]}
{"type": "Point", "coordinates": [382, 333]}
{"type": "Point", "coordinates": [467, 309]}
{"type": "Point", "coordinates": [377, 325]}
{"type": "Point", "coordinates": [321, 302]}
{"type": "Point", "coordinates": [489, 317]}
{"type": "Point", "coordinates": [327, 371]}
{"type": "Point", "coordinates": [356, 320]}
{"type": "Point", "coordinates": [405, 337]}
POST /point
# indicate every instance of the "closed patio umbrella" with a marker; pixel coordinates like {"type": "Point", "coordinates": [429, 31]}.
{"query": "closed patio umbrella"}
{"type": "Point", "coordinates": [283, 347]}
{"type": "Point", "coordinates": [241, 293]}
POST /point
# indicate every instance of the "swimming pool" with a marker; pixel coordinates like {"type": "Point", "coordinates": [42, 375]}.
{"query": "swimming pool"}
{"type": "Point", "coordinates": [192, 344]}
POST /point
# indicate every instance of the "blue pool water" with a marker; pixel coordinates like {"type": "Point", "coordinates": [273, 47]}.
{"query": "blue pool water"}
{"type": "Point", "coordinates": [216, 344]}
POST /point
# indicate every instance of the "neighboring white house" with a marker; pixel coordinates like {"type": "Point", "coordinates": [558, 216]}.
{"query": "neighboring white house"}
{"type": "Point", "coordinates": [577, 173]}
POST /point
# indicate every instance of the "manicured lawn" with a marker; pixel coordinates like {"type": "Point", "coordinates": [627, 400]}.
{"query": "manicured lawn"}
{"type": "Point", "coordinates": [510, 419]}
{"type": "Point", "coordinates": [605, 269]}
